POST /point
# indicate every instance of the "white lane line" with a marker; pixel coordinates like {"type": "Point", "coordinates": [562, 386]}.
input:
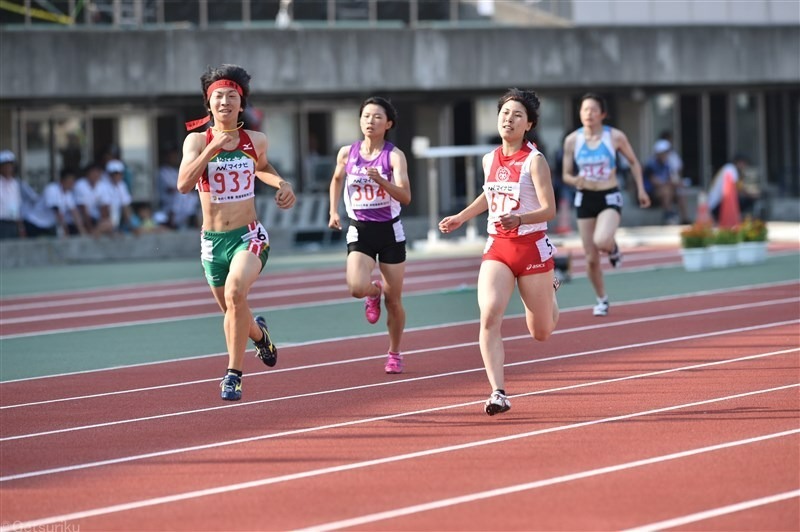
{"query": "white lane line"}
{"type": "Point", "coordinates": [389, 383]}
{"type": "Point", "coordinates": [373, 419]}
{"type": "Point", "coordinates": [420, 454]}
{"type": "Point", "coordinates": [292, 306]}
{"type": "Point", "coordinates": [417, 351]}
{"type": "Point", "coordinates": [215, 314]}
{"type": "Point", "coordinates": [499, 492]}
{"type": "Point", "coordinates": [189, 286]}
{"type": "Point", "coordinates": [437, 326]}
{"type": "Point", "coordinates": [254, 296]}
{"type": "Point", "coordinates": [716, 512]}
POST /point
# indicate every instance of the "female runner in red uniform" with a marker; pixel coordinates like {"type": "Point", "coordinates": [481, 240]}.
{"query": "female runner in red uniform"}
{"type": "Point", "coordinates": [518, 194]}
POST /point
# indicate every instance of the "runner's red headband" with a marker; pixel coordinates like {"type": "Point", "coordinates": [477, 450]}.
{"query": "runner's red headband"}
{"type": "Point", "coordinates": [219, 84]}
{"type": "Point", "coordinates": [223, 83]}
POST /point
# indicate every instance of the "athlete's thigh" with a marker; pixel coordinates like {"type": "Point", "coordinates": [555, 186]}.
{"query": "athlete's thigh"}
{"type": "Point", "coordinates": [586, 228]}
{"type": "Point", "coordinates": [359, 268]}
{"type": "Point", "coordinates": [393, 275]}
{"type": "Point", "coordinates": [607, 223]}
{"type": "Point", "coordinates": [495, 286]}
{"type": "Point", "coordinates": [536, 292]}
{"type": "Point", "coordinates": [244, 270]}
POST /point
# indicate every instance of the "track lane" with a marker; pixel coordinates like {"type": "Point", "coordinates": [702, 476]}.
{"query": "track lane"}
{"type": "Point", "coordinates": [343, 349]}
{"type": "Point", "coordinates": [174, 399]}
{"type": "Point", "coordinates": [184, 300]}
{"type": "Point", "coordinates": [161, 434]}
{"type": "Point", "coordinates": [524, 375]}
{"type": "Point", "coordinates": [405, 468]}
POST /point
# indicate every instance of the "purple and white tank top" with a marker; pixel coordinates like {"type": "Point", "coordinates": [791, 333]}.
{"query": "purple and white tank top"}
{"type": "Point", "coordinates": [364, 199]}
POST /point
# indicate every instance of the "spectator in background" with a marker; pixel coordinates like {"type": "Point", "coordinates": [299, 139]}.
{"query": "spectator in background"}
{"type": "Point", "coordinates": [675, 163]}
{"type": "Point", "coordinates": [119, 199]}
{"type": "Point", "coordinates": [661, 181]}
{"type": "Point", "coordinates": [72, 153]}
{"type": "Point", "coordinates": [55, 212]}
{"type": "Point", "coordinates": [142, 220]}
{"type": "Point", "coordinates": [167, 182]}
{"type": "Point", "coordinates": [673, 159]}
{"type": "Point", "coordinates": [113, 153]}
{"type": "Point", "coordinates": [96, 198]}
{"type": "Point", "coordinates": [86, 194]}
{"type": "Point", "coordinates": [184, 212]}
{"type": "Point", "coordinates": [747, 194]}
{"type": "Point", "coordinates": [11, 225]}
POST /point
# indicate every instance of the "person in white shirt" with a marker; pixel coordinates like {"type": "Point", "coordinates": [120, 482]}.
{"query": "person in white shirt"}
{"type": "Point", "coordinates": [737, 169]}
{"type": "Point", "coordinates": [118, 198]}
{"type": "Point", "coordinates": [55, 212]}
{"type": "Point", "coordinates": [167, 182]}
{"type": "Point", "coordinates": [11, 225]}
{"type": "Point", "coordinates": [94, 196]}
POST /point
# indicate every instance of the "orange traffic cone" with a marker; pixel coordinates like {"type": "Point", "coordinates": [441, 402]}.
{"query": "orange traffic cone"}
{"type": "Point", "coordinates": [564, 226]}
{"type": "Point", "coordinates": [729, 215]}
{"type": "Point", "coordinates": [703, 216]}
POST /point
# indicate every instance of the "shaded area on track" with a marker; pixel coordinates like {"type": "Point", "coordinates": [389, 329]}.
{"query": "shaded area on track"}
{"type": "Point", "coordinates": [31, 356]}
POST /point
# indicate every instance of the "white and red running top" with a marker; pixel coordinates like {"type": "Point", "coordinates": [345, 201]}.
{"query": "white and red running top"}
{"type": "Point", "coordinates": [509, 189]}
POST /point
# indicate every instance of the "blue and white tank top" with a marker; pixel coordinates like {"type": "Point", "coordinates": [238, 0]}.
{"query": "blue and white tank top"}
{"type": "Point", "coordinates": [364, 199]}
{"type": "Point", "coordinates": [598, 163]}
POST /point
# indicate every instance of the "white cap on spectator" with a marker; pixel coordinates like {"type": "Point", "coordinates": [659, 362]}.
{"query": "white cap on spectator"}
{"type": "Point", "coordinates": [114, 166]}
{"type": "Point", "coordinates": [7, 156]}
{"type": "Point", "coordinates": [662, 146]}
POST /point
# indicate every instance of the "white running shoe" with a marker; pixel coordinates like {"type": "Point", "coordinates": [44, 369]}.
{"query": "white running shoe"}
{"type": "Point", "coordinates": [497, 403]}
{"type": "Point", "coordinates": [601, 309]}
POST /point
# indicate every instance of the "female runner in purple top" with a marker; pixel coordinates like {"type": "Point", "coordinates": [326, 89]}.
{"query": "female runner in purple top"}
{"type": "Point", "coordinates": [374, 176]}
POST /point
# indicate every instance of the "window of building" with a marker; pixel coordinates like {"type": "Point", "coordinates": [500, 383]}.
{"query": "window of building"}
{"type": "Point", "coordinates": [747, 130]}
{"type": "Point", "coordinates": [281, 129]}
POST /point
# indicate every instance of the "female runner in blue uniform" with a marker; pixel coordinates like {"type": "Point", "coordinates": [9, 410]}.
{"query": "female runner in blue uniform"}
{"type": "Point", "coordinates": [598, 199]}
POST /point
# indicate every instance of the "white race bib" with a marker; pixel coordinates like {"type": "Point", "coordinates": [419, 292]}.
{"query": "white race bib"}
{"type": "Point", "coordinates": [365, 193]}
{"type": "Point", "coordinates": [614, 199]}
{"type": "Point", "coordinates": [502, 198]}
{"type": "Point", "coordinates": [231, 180]}
{"type": "Point", "coordinates": [259, 233]}
{"type": "Point", "coordinates": [546, 248]}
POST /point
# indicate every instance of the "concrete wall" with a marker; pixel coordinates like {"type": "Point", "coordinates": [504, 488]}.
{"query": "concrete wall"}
{"type": "Point", "coordinates": [684, 12]}
{"type": "Point", "coordinates": [118, 65]}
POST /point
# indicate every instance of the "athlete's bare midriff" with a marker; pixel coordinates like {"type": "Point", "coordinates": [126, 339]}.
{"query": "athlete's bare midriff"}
{"type": "Point", "coordinates": [226, 216]}
{"type": "Point", "coordinates": [599, 186]}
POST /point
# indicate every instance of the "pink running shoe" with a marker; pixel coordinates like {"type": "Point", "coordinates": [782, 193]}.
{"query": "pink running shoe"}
{"type": "Point", "coordinates": [372, 305]}
{"type": "Point", "coordinates": [394, 364]}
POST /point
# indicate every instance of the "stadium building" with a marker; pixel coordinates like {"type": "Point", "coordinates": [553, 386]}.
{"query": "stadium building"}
{"type": "Point", "coordinates": [81, 79]}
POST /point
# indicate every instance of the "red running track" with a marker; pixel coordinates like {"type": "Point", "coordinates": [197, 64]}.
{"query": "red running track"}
{"type": "Point", "coordinates": [159, 302]}
{"type": "Point", "coordinates": [667, 409]}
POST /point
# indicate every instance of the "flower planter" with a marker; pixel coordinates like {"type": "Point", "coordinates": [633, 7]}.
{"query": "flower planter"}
{"type": "Point", "coordinates": [696, 259]}
{"type": "Point", "coordinates": [751, 252]}
{"type": "Point", "coordinates": [723, 255]}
